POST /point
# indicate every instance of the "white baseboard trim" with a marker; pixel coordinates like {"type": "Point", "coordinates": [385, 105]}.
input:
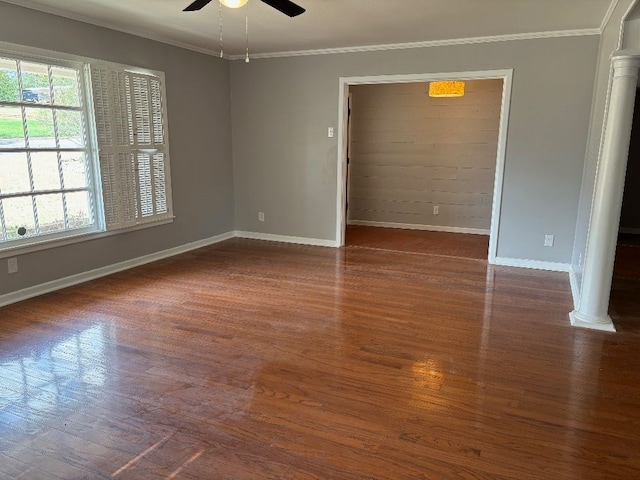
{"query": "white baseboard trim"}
{"type": "Point", "coordinates": [632, 231]}
{"type": "Point", "coordinates": [411, 226]}
{"type": "Point", "coordinates": [65, 282]}
{"type": "Point", "coordinates": [534, 264]}
{"type": "Point", "coordinates": [317, 242]}
{"type": "Point", "coordinates": [575, 288]}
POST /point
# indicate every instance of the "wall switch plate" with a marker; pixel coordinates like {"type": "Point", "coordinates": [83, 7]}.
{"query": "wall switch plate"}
{"type": "Point", "coordinates": [436, 210]}
{"type": "Point", "coordinates": [330, 132]}
{"type": "Point", "coordinates": [261, 216]}
{"type": "Point", "coordinates": [12, 265]}
{"type": "Point", "coordinates": [549, 240]}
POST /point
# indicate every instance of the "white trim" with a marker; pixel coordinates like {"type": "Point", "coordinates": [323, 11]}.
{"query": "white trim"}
{"type": "Point", "coordinates": [427, 77]}
{"type": "Point", "coordinates": [630, 231]}
{"type": "Point", "coordinates": [425, 44]}
{"type": "Point", "coordinates": [575, 288]}
{"type": "Point", "coordinates": [297, 53]}
{"type": "Point", "coordinates": [65, 282]}
{"type": "Point", "coordinates": [501, 158]}
{"type": "Point", "coordinates": [344, 83]}
{"type": "Point", "coordinates": [607, 16]}
{"type": "Point", "coordinates": [269, 237]}
{"type": "Point", "coordinates": [341, 171]}
{"type": "Point", "coordinates": [605, 325]}
{"type": "Point", "coordinates": [534, 264]}
{"type": "Point", "coordinates": [411, 226]}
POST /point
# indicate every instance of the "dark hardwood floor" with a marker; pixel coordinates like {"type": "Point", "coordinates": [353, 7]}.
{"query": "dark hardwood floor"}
{"type": "Point", "coordinates": [258, 360]}
{"type": "Point", "coordinates": [419, 241]}
{"type": "Point", "coordinates": [628, 256]}
{"type": "Point", "coordinates": [625, 299]}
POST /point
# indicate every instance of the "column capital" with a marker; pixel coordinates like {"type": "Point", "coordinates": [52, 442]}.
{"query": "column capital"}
{"type": "Point", "coordinates": [625, 64]}
{"type": "Point", "coordinates": [625, 60]}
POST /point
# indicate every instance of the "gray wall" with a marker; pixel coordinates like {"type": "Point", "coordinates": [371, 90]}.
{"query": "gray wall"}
{"type": "Point", "coordinates": [608, 44]}
{"type": "Point", "coordinates": [285, 166]}
{"type": "Point", "coordinates": [411, 152]}
{"type": "Point", "coordinates": [199, 138]}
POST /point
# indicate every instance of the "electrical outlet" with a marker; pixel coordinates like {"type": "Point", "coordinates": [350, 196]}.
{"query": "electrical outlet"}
{"type": "Point", "coordinates": [261, 216]}
{"type": "Point", "coordinates": [12, 265]}
{"type": "Point", "coordinates": [330, 132]}
{"type": "Point", "coordinates": [436, 210]}
{"type": "Point", "coordinates": [549, 240]}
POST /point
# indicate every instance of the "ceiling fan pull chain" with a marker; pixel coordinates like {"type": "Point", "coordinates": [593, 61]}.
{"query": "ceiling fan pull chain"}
{"type": "Point", "coordinates": [221, 50]}
{"type": "Point", "coordinates": [246, 29]}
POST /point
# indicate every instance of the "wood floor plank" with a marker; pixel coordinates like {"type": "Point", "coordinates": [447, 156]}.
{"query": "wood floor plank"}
{"type": "Point", "coordinates": [258, 360]}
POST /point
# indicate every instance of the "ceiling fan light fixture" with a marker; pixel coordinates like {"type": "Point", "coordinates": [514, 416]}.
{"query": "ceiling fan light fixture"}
{"type": "Point", "coordinates": [234, 3]}
{"type": "Point", "coordinates": [446, 88]}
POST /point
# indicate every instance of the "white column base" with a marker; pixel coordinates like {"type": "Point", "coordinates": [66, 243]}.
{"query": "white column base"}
{"type": "Point", "coordinates": [603, 324]}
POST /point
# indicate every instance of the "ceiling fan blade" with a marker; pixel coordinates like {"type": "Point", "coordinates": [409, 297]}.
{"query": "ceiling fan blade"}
{"type": "Point", "coordinates": [197, 5]}
{"type": "Point", "coordinates": [286, 7]}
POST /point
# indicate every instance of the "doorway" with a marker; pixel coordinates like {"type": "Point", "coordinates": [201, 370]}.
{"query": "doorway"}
{"type": "Point", "coordinates": [625, 305]}
{"type": "Point", "coordinates": [418, 173]}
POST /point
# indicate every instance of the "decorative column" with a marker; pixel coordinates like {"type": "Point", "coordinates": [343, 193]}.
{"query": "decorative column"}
{"type": "Point", "coordinates": [593, 311]}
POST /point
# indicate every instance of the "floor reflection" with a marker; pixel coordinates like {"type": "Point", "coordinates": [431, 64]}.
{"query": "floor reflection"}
{"type": "Point", "coordinates": [253, 359]}
{"type": "Point", "coordinates": [51, 381]}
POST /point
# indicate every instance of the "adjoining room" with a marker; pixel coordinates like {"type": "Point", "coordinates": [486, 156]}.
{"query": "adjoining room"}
{"type": "Point", "coordinates": [422, 166]}
{"type": "Point", "coordinates": [625, 303]}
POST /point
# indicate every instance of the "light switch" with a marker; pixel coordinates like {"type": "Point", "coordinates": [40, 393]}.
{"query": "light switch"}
{"type": "Point", "coordinates": [549, 240]}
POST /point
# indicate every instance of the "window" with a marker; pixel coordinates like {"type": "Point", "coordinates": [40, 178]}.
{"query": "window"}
{"type": "Point", "coordinates": [45, 170]}
{"type": "Point", "coordinates": [53, 183]}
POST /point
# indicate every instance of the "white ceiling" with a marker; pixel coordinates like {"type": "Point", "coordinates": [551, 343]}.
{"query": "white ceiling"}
{"type": "Point", "coordinates": [330, 24]}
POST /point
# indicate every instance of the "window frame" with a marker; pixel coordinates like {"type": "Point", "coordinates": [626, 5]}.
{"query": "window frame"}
{"type": "Point", "coordinates": [99, 228]}
{"type": "Point", "coordinates": [88, 148]}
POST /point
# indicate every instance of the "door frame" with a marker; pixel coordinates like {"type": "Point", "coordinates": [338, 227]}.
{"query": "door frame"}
{"type": "Point", "coordinates": [345, 82]}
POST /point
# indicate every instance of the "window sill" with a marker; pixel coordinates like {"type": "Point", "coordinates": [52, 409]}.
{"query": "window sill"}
{"type": "Point", "coordinates": [75, 238]}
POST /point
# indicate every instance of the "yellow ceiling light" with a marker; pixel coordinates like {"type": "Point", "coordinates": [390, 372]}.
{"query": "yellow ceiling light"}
{"type": "Point", "coordinates": [446, 88]}
{"type": "Point", "coordinates": [234, 3]}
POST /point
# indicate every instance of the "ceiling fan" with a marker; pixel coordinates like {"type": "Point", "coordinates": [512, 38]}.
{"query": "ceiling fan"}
{"type": "Point", "coordinates": [285, 6]}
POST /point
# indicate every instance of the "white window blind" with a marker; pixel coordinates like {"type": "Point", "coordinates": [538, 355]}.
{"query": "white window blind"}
{"type": "Point", "coordinates": [132, 147]}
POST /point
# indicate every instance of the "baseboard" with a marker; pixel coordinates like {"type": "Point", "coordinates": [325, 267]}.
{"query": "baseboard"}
{"type": "Point", "coordinates": [602, 324]}
{"type": "Point", "coordinates": [411, 226]}
{"type": "Point", "coordinates": [287, 239]}
{"type": "Point", "coordinates": [65, 282]}
{"type": "Point", "coordinates": [534, 264]}
{"type": "Point", "coordinates": [575, 288]}
{"type": "Point", "coordinates": [631, 231]}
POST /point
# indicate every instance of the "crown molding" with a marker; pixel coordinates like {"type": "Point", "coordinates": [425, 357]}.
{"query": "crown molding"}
{"type": "Point", "coordinates": [426, 44]}
{"type": "Point", "coordinates": [322, 51]}
{"type": "Point", "coordinates": [111, 26]}
{"type": "Point", "coordinates": [607, 16]}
